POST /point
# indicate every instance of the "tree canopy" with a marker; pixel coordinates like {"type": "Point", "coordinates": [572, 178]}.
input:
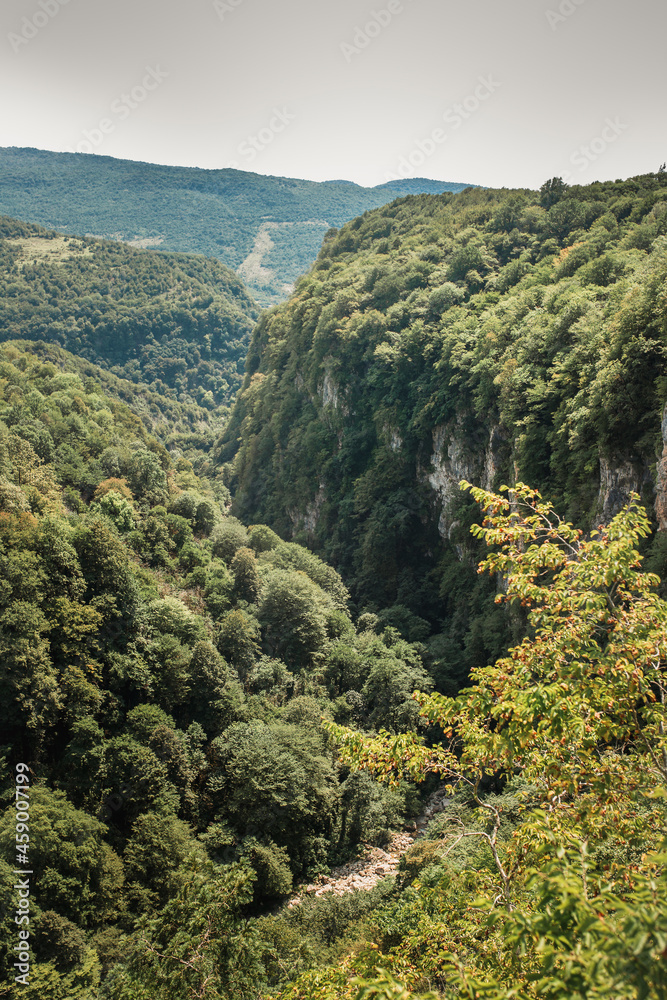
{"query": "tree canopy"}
{"type": "Point", "coordinates": [570, 900]}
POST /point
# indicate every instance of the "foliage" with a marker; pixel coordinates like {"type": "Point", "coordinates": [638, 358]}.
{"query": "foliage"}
{"type": "Point", "coordinates": [198, 945]}
{"type": "Point", "coordinates": [275, 782]}
{"type": "Point", "coordinates": [572, 900]}
{"type": "Point", "coordinates": [219, 213]}
{"type": "Point", "coordinates": [165, 668]}
{"type": "Point", "coordinates": [164, 671]}
{"type": "Point", "coordinates": [178, 323]}
{"type": "Point", "coordinates": [482, 335]}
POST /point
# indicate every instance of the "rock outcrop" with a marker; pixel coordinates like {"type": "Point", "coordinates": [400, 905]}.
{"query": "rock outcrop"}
{"type": "Point", "coordinates": [617, 481]}
{"type": "Point", "coordinates": [455, 458]}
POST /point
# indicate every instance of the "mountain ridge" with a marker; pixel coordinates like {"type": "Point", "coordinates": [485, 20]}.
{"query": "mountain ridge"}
{"type": "Point", "coordinates": [177, 321]}
{"type": "Point", "coordinates": [191, 209]}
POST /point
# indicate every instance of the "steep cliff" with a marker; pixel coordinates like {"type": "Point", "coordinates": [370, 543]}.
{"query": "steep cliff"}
{"type": "Point", "coordinates": [489, 335]}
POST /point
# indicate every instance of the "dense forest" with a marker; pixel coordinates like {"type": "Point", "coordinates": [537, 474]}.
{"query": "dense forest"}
{"type": "Point", "coordinates": [178, 322]}
{"type": "Point", "coordinates": [164, 673]}
{"type": "Point", "coordinates": [219, 213]}
{"type": "Point", "coordinates": [233, 659]}
{"type": "Point", "coordinates": [489, 335]}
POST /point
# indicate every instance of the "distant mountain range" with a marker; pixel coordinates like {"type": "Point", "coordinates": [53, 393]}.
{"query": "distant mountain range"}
{"type": "Point", "coordinates": [177, 323]}
{"type": "Point", "coordinates": [267, 229]}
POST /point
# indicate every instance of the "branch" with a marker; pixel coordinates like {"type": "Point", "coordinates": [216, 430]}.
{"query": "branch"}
{"type": "Point", "coordinates": [490, 838]}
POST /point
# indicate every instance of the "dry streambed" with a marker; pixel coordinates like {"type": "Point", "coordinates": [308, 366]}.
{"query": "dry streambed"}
{"type": "Point", "coordinates": [377, 863]}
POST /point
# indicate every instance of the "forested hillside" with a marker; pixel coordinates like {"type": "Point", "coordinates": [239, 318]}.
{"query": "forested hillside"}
{"type": "Point", "coordinates": [164, 673]}
{"type": "Point", "coordinates": [268, 228]}
{"type": "Point", "coordinates": [186, 430]}
{"type": "Point", "coordinates": [490, 335]}
{"type": "Point", "coordinates": [179, 323]}
{"type": "Point", "coordinates": [198, 714]}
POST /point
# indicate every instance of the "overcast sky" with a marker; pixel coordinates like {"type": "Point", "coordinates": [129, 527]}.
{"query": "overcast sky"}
{"type": "Point", "coordinates": [493, 92]}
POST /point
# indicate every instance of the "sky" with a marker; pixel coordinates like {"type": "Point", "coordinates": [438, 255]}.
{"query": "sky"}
{"type": "Point", "coordinates": [493, 92]}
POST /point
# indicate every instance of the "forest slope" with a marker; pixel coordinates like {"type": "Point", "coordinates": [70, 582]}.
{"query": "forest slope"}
{"type": "Point", "coordinates": [488, 335]}
{"type": "Point", "coordinates": [163, 674]}
{"type": "Point", "coordinates": [179, 323]}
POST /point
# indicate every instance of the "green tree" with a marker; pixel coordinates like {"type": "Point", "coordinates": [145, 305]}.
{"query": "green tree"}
{"type": "Point", "coordinates": [247, 584]}
{"type": "Point", "coordinates": [209, 675]}
{"type": "Point", "coordinates": [199, 945]}
{"type": "Point", "coordinates": [237, 638]}
{"type": "Point", "coordinates": [552, 191]}
{"type": "Point", "coordinates": [118, 509]}
{"type": "Point", "coordinates": [78, 874]}
{"type": "Point", "coordinates": [228, 536]}
{"type": "Point", "coordinates": [147, 478]}
{"type": "Point", "coordinates": [156, 850]}
{"type": "Point", "coordinates": [105, 565]}
{"type": "Point", "coordinates": [293, 614]}
{"type": "Point", "coordinates": [276, 781]}
{"type": "Point", "coordinates": [577, 711]}
{"type": "Point", "coordinates": [31, 696]}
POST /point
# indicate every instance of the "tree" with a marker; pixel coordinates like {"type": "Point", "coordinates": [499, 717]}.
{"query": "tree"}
{"type": "Point", "coordinates": [30, 696]}
{"type": "Point", "coordinates": [206, 516]}
{"type": "Point", "coordinates": [118, 509]}
{"type": "Point", "coordinates": [113, 485]}
{"type": "Point", "coordinates": [105, 564]}
{"type": "Point", "coordinates": [147, 477]}
{"type": "Point", "coordinates": [576, 713]}
{"type": "Point", "coordinates": [156, 850]}
{"type": "Point", "coordinates": [237, 637]}
{"type": "Point", "coordinates": [387, 691]}
{"type": "Point", "coordinates": [198, 946]}
{"type": "Point", "coordinates": [552, 191]}
{"type": "Point", "coordinates": [275, 781]}
{"type": "Point", "coordinates": [208, 677]}
{"type": "Point", "coordinates": [247, 584]}
{"type": "Point", "coordinates": [293, 615]}
{"type": "Point", "coordinates": [228, 536]}
{"type": "Point", "coordinates": [78, 874]}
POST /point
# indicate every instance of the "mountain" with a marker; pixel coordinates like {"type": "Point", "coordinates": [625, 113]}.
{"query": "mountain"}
{"type": "Point", "coordinates": [178, 322]}
{"type": "Point", "coordinates": [491, 336]}
{"type": "Point", "coordinates": [193, 709]}
{"type": "Point", "coordinates": [268, 229]}
{"type": "Point", "coordinates": [186, 431]}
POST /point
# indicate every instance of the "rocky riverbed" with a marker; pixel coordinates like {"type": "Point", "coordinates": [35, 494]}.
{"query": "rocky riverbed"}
{"type": "Point", "coordinates": [376, 863]}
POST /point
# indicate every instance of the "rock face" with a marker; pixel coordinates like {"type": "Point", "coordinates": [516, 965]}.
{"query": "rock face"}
{"type": "Point", "coordinates": [466, 448]}
{"type": "Point", "coordinates": [376, 864]}
{"type": "Point", "coordinates": [329, 392]}
{"type": "Point", "coordinates": [331, 396]}
{"type": "Point", "coordinates": [455, 458]}
{"type": "Point", "coordinates": [307, 520]}
{"type": "Point", "coordinates": [617, 481]}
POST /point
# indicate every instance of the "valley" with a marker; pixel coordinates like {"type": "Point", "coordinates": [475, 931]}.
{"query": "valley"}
{"type": "Point", "coordinates": [333, 634]}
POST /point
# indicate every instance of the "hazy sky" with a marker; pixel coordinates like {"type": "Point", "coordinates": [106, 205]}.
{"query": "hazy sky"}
{"type": "Point", "coordinates": [495, 92]}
